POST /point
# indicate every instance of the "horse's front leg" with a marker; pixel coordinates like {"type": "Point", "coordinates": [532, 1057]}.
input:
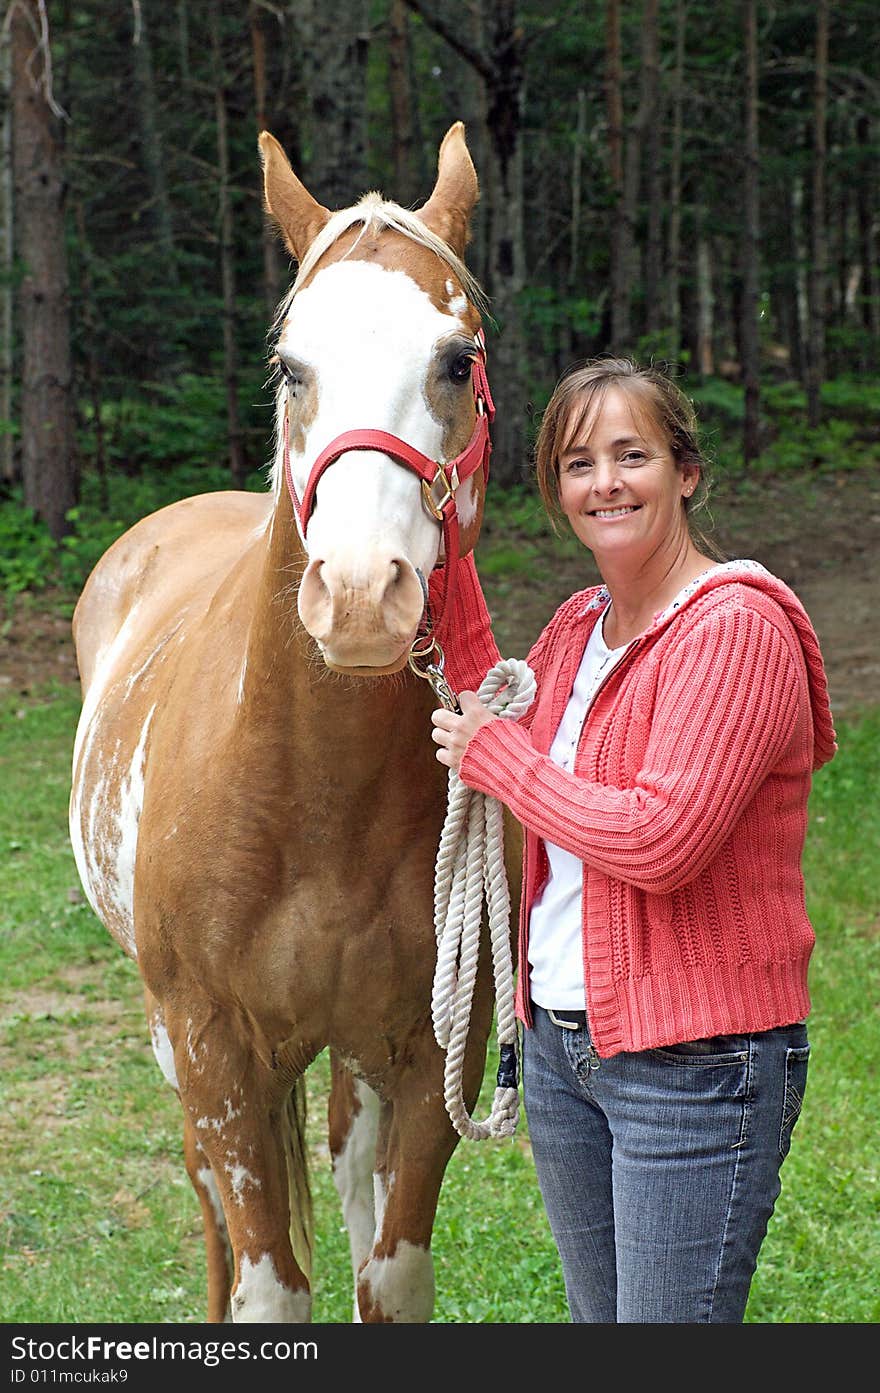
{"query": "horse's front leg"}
{"type": "Point", "coordinates": [237, 1111]}
{"type": "Point", "coordinates": [396, 1283]}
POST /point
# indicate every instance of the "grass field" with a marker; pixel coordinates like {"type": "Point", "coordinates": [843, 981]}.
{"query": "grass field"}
{"type": "Point", "coordinates": [97, 1219]}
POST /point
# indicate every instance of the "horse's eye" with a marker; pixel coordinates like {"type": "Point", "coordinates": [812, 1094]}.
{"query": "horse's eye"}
{"type": "Point", "coordinates": [460, 367]}
{"type": "Point", "coordinates": [290, 375]}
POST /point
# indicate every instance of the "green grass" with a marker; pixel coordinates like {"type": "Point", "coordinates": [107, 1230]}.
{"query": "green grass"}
{"type": "Point", "coordinates": [97, 1219]}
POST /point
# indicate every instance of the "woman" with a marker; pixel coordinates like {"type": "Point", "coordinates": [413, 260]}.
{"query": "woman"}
{"type": "Point", "coordinates": [662, 777]}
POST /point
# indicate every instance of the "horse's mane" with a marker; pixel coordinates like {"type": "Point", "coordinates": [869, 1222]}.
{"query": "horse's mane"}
{"type": "Point", "coordinates": [375, 213]}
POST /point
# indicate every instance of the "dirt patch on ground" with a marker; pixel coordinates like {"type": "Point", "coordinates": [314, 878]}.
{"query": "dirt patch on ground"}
{"type": "Point", "coordinates": [820, 534]}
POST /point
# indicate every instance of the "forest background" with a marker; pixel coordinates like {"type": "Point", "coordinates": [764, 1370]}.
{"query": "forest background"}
{"type": "Point", "coordinates": [682, 180]}
{"type": "Point", "coordinates": [686, 181]}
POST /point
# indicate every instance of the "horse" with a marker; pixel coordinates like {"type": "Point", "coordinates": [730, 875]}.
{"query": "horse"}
{"type": "Point", "coordinates": [256, 804]}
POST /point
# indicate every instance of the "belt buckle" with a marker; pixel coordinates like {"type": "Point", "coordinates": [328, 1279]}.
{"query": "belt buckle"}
{"type": "Point", "coordinates": [566, 1025]}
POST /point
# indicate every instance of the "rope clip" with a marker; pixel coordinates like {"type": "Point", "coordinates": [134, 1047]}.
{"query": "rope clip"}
{"type": "Point", "coordinates": [434, 675]}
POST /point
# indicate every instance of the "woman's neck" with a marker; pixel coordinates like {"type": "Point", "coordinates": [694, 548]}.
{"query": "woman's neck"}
{"type": "Point", "coordinates": [637, 595]}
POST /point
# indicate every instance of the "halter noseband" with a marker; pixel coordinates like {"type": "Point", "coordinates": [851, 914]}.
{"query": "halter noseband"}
{"type": "Point", "coordinates": [439, 481]}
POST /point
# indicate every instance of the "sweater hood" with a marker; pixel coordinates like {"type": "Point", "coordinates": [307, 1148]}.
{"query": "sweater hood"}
{"type": "Point", "coordinates": [756, 576]}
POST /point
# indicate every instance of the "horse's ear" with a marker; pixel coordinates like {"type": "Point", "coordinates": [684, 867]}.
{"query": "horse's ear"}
{"type": "Point", "coordinates": [299, 216]}
{"type": "Point", "coordinates": [448, 210]}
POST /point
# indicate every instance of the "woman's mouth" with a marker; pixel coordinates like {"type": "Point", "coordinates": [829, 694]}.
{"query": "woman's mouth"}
{"type": "Point", "coordinates": [609, 514]}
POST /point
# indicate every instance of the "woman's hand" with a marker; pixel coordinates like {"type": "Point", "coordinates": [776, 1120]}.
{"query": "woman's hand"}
{"type": "Point", "coordinates": [452, 732]}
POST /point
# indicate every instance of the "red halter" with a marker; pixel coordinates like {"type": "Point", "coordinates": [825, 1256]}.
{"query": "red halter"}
{"type": "Point", "coordinates": [439, 481]}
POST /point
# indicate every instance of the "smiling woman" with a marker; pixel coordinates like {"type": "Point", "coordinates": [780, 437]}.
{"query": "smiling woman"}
{"type": "Point", "coordinates": [662, 776]}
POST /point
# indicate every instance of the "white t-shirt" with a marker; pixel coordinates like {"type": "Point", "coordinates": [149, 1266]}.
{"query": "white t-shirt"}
{"type": "Point", "coordinates": [556, 956]}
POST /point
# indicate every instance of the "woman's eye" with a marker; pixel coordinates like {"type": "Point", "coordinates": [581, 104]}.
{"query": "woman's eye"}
{"type": "Point", "coordinates": [577, 466]}
{"type": "Point", "coordinates": [460, 367]}
{"type": "Point", "coordinates": [633, 457]}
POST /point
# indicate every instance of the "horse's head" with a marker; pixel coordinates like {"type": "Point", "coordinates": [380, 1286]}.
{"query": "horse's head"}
{"type": "Point", "coordinates": [378, 346]}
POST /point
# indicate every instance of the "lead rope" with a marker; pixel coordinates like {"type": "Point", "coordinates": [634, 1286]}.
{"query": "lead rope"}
{"type": "Point", "coordinates": [470, 865]}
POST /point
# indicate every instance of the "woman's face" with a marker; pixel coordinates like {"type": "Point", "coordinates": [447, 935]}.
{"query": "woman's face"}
{"type": "Point", "coordinates": [620, 486]}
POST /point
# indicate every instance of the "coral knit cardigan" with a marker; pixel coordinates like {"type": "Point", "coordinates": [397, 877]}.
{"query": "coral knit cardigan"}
{"type": "Point", "coordinates": [687, 806]}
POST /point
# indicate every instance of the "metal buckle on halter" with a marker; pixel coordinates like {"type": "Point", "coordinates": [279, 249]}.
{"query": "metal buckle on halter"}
{"type": "Point", "coordinates": [434, 505]}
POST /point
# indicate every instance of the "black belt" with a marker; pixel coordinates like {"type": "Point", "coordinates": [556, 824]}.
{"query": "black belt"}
{"type": "Point", "coordinates": [569, 1020]}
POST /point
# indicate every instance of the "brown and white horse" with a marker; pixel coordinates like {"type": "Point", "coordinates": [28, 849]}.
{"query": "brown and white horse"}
{"type": "Point", "coordinates": [256, 805]}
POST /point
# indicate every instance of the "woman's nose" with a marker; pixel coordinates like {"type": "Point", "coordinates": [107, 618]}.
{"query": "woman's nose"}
{"type": "Point", "coordinates": [606, 477]}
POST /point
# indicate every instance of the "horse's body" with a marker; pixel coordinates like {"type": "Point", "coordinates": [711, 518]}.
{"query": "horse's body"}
{"type": "Point", "coordinates": [260, 832]}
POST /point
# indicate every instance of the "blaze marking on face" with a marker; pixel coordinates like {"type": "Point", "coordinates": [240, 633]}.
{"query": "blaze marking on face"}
{"type": "Point", "coordinates": [261, 1296]}
{"type": "Point", "coordinates": [374, 375]}
{"type": "Point", "coordinates": [401, 1286]}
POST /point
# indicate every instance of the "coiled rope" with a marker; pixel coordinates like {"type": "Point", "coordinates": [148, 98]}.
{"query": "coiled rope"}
{"type": "Point", "coordinates": [469, 867]}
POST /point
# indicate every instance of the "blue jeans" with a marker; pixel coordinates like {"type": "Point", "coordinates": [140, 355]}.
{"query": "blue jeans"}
{"type": "Point", "coordinates": [659, 1170]}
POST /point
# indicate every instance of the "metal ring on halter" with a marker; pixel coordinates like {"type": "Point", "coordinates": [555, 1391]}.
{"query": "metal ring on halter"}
{"type": "Point", "coordinates": [430, 646]}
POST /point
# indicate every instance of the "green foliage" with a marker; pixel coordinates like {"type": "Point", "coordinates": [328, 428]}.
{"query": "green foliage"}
{"type": "Point", "coordinates": [28, 555]}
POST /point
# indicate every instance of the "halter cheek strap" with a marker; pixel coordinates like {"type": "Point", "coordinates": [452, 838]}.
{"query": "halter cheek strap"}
{"type": "Point", "coordinates": [439, 481]}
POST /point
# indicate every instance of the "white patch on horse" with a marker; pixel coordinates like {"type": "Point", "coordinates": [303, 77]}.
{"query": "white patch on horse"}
{"type": "Point", "coordinates": [85, 849]}
{"type": "Point", "coordinates": [239, 1177]}
{"type": "Point", "coordinates": [205, 1177]}
{"type": "Point", "coordinates": [466, 498]}
{"type": "Point", "coordinates": [402, 1286]}
{"type": "Point", "coordinates": [241, 677]}
{"type": "Point", "coordinates": [457, 303]}
{"type": "Point", "coordinates": [217, 1124]}
{"type": "Point", "coordinates": [137, 675]}
{"type": "Point", "coordinates": [372, 376]}
{"type": "Point", "coordinates": [193, 1047]}
{"type": "Point", "coordinates": [261, 1296]}
{"type": "Point", "coordinates": [354, 1177]}
{"type": "Point", "coordinates": [131, 803]}
{"type": "Point", "coordinates": [162, 1048]}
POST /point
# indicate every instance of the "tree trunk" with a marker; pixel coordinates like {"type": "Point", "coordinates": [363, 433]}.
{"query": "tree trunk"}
{"type": "Point", "coordinates": [870, 298]}
{"type": "Point", "coordinates": [819, 237]}
{"type": "Point", "coordinates": [632, 165]}
{"type": "Point", "coordinates": [705, 308]}
{"type": "Point", "coordinates": [654, 307]}
{"type": "Point", "coordinates": [151, 143]}
{"type": "Point", "coordinates": [183, 42]}
{"type": "Point", "coordinates": [400, 89]}
{"type": "Point", "coordinates": [749, 336]}
{"type": "Point", "coordinates": [499, 65]}
{"type": "Point", "coordinates": [8, 470]}
{"type": "Point", "coordinates": [237, 460]}
{"type": "Point", "coordinates": [337, 41]}
{"type": "Point", "coordinates": [674, 270]}
{"type": "Point", "coordinates": [47, 432]}
{"type": "Point", "coordinates": [272, 271]}
{"type": "Point", "coordinates": [801, 259]}
{"type": "Point", "coordinates": [577, 160]}
{"type": "Point", "coordinates": [619, 253]}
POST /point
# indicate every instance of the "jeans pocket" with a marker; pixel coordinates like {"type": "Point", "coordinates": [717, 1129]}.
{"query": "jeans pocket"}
{"type": "Point", "coordinates": [713, 1049]}
{"type": "Point", "coordinates": [796, 1061]}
